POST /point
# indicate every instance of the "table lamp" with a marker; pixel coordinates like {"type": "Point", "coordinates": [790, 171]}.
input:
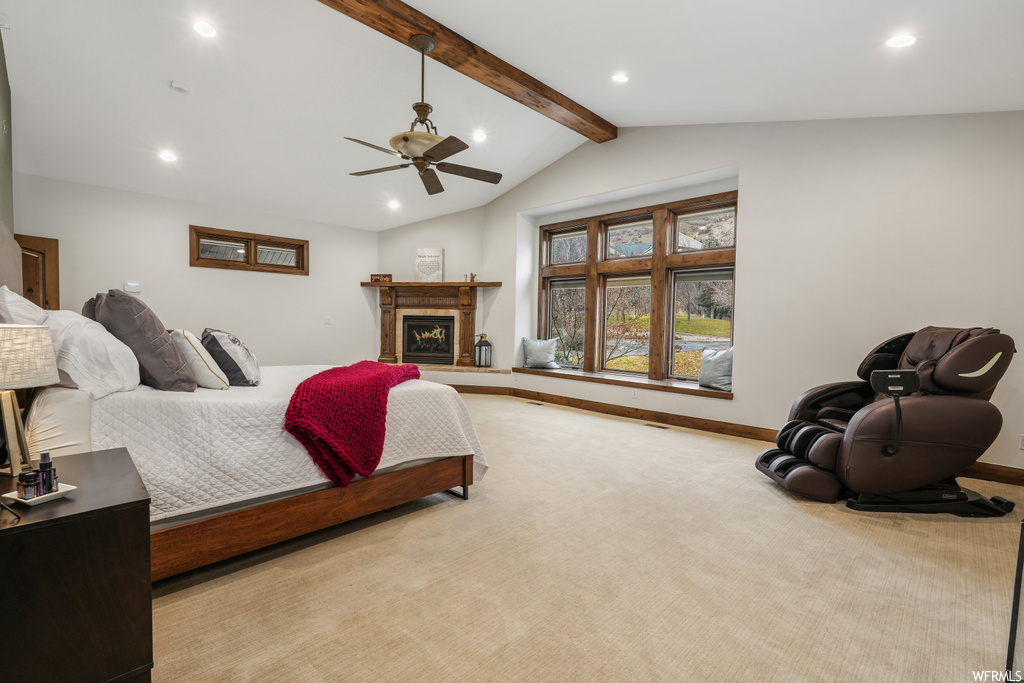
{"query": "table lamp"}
{"type": "Point", "coordinates": [26, 360]}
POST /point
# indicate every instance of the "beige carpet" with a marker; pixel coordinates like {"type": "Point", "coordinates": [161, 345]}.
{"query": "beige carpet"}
{"type": "Point", "coordinates": [600, 549]}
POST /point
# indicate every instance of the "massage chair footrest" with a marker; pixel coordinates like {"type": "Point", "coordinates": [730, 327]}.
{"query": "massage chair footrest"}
{"type": "Point", "coordinates": [799, 476]}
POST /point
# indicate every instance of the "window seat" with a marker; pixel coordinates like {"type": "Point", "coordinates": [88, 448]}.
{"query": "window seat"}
{"type": "Point", "coordinates": [675, 386]}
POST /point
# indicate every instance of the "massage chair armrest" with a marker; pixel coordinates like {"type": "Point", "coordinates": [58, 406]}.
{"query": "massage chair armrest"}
{"type": "Point", "coordinates": [942, 435]}
{"type": "Point", "coordinates": [846, 395]}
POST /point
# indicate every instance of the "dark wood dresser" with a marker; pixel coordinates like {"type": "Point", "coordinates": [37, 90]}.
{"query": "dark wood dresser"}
{"type": "Point", "coordinates": [74, 577]}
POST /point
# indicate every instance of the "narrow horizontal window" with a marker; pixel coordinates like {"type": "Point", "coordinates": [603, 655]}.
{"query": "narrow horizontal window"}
{"type": "Point", "coordinates": [216, 248]}
{"type": "Point", "coordinates": [224, 251]}
{"type": "Point", "coordinates": [277, 256]}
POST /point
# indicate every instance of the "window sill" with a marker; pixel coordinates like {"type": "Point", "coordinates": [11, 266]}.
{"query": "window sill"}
{"type": "Point", "coordinates": [674, 386]}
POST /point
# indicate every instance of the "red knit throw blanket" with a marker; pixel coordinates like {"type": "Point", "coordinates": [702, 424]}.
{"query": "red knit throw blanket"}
{"type": "Point", "coordinates": [339, 416]}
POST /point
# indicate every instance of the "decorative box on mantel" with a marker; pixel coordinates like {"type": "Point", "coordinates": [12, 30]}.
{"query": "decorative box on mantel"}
{"type": "Point", "coordinates": [425, 299]}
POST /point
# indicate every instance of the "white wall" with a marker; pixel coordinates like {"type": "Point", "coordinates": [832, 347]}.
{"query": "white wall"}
{"type": "Point", "coordinates": [848, 232]}
{"type": "Point", "coordinates": [458, 234]}
{"type": "Point", "coordinates": [108, 237]}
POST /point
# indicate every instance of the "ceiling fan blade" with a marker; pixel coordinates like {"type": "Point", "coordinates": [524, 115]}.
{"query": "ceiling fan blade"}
{"type": "Point", "coordinates": [381, 170]}
{"type": "Point", "coordinates": [444, 149]}
{"type": "Point", "coordinates": [376, 147]}
{"type": "Point", "coordinates": [469, 172]}
{"type": "Point", "coordinates": [431, 181]}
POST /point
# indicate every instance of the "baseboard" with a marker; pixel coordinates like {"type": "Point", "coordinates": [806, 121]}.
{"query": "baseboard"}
{"type": "Point", "coordinates": [476, 389]}
{"type": "Point", "coordinates": [992, 472]}
{"type": "Point", "coordinates": [728, 428]}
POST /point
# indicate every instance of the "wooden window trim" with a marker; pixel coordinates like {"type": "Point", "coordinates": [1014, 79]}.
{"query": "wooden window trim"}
{"type": "Point", "coordinates": [661, 265]}
{"type": "Point", "coordinates": [252, 241]}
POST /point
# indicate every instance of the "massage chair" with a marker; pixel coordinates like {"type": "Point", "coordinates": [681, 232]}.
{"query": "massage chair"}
{"type": "Point", "coordinates": [858, 440]}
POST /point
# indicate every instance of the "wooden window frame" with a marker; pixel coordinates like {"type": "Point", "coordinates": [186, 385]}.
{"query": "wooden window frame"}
{"type": "Point", "coordinates": [661, 265]}
{"type": "Point", "coordinates": [252, 243]}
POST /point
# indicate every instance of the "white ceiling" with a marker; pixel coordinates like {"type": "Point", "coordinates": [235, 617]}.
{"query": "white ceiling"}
{"type": "Point", "coordinates": [275, 92]}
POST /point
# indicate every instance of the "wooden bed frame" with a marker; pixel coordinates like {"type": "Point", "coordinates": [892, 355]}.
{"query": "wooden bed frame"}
{"type": "Point", "coordinates": [196, 544]}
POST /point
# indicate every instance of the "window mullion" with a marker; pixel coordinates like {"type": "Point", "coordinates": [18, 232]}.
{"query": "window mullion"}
{"type": "Point", "coordinates": [591, 317]}
{"type": "Point", "coordinates": [656, 362]}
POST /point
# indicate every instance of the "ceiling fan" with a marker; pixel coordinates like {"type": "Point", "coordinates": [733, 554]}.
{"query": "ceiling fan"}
{"type": "Point", "coordinates": [423, 149]}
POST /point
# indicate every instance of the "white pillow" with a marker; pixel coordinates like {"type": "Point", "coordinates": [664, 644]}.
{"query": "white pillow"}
{"type": "Point", "coordinates": [15, 308]}
{"type": "Point", "coordinates": [204, 367]}
{"type": "Point", "coordinates": [89, 357]}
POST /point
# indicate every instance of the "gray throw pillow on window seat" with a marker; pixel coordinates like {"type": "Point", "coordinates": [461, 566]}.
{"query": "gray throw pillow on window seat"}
{"type": "Point", "coordinates": [716, 369]}
{"type": "Point", "coordinates": [540, 353]}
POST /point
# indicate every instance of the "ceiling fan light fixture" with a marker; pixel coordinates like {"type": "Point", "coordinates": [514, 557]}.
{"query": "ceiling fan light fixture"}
{"type": "Point", "coordinates": [620, 77]}
{"type": "Point", "coordinates": [394, 204]}
{"type": "Point", "coordinates": [479, 136]}
{"type": "Point", "coordinates": [413, 144]}
{"type": "Point", "coordinates": [426, 149]}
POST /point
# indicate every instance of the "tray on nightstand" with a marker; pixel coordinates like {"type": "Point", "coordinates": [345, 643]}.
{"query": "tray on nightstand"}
{"type": "Point", "coordinates": [62, 490]}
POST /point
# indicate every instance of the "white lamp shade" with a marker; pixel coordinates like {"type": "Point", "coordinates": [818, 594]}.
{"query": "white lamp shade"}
{"type": "Point", "coordinates": [26, 357]}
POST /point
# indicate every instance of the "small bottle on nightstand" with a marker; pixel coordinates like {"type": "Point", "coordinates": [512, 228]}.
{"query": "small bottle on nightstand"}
{"type": "Point", "coordinates": [28, 485]}
{"type": "Point", "coordinates": [46, 475]}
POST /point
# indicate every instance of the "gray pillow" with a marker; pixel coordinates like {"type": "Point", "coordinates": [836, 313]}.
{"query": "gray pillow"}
{"type": "Point", "coordinates": [540, 353]}
{"type": "Point", "coordinates": [716, 369]}
{"type": "Point", "coordinates": [233, 357]}
{"type": "Point", "coordinates": [130, 320]}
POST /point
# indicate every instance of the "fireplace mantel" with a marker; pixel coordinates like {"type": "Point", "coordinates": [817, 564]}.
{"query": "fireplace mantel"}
{"type": "Point", "coordinates": [460, 296]}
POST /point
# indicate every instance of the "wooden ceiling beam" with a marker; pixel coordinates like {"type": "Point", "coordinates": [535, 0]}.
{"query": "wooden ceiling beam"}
{"type": "Point", "coordinates": [400, 21]}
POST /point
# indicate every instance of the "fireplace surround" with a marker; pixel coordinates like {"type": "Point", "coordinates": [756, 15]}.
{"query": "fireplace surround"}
{"type": "Point", "coordinates": [399, 300]}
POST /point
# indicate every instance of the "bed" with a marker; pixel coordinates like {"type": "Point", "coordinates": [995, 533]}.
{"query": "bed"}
{"type": "Point", "coordinates": [224, 476]}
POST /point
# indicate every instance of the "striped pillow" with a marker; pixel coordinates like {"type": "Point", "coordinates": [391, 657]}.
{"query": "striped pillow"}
{"type": "Point", "coordinates": [204, 367]}
{"type": "Point", "coordinates": [237, 361]}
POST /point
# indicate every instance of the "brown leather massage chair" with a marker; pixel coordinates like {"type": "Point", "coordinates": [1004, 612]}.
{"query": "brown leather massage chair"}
{"type": "Point", "coordinates": [858, 440]}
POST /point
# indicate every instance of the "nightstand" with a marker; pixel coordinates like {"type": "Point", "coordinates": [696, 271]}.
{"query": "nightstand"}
{"type": "Point", "coordinates": [75, 577]}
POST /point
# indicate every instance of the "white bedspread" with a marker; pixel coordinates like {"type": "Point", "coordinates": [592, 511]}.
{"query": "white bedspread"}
{"type": "Point", "coordinates": [211, 448]}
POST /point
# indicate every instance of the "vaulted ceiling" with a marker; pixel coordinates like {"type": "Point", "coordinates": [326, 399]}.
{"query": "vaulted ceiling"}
{"type": "Point", "coordinates": [273, 94]}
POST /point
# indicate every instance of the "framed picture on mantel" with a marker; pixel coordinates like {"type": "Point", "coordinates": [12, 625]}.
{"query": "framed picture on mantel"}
{"type": "Point", "coordinates": [430, 264]}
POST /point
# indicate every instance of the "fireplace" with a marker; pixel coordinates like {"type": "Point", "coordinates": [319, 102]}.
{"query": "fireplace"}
{"type": "Point", "coordinates": [428, 339]}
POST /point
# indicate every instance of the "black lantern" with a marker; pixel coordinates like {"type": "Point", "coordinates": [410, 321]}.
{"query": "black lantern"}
{"type": "Point", "coordinates": [483, 352]}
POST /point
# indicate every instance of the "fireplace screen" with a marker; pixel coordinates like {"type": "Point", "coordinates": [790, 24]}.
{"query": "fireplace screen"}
{"type": "Point", "coordinates": [428, 339]}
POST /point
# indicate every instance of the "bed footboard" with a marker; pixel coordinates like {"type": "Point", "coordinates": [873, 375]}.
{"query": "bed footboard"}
{"type": "Point", "coordinates": [197, 544]}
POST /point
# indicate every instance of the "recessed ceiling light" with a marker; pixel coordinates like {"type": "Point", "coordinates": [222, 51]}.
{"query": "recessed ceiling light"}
{"type": "Point", "coordinates": [393, 204]}
{"type": "Point", "coordinates": [620, 78]}
{"type": "Point", "coordinates": [903, 40]}
{"type": "Point", "coordinates": [479, 136]}
{"type": "Point", "coordinates": [204, 29]}
{"type": "Point", "coordinates": [168, 155]}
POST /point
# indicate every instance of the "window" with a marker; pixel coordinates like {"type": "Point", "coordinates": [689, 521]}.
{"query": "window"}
{"type": "Point", "coordinates": [702, 305]}
{"type": "Point", "coordinates": [569, 247]}
{"type": "Point", "coordinates": [641, 292]}
{"type": "Point", "coordinates": [706, 229]}
{"type": "Point", "coordinates": [627, 323]}
{"type": "Point", "coordinates": [631, 239]}
{"type": "Point", "coordinates": [214, 248]}
{"type": "Point", "coordinates": [566, 315]}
